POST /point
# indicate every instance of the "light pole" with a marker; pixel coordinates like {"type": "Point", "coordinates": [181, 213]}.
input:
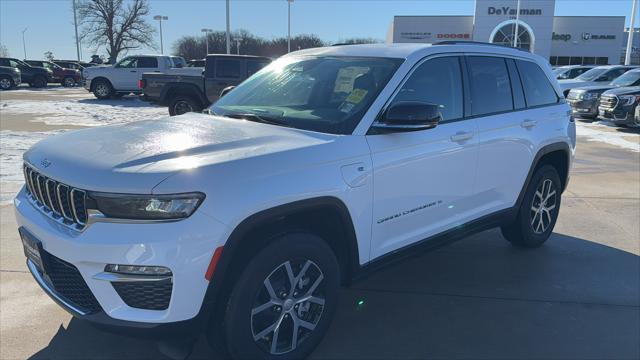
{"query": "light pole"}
{"type": "Point", "coordinates": [24, 46]}
{"type": "Point", "coordinates": [160, 18]}
{"type": "Point", "coordinates": [289, 25]}
{"type": "Point", "coordinates": [228, 31]}
{"type": "Point", "coordinates": [75, 25]}
{"type": "Point", "coordinates": [515, 32]}
{"type": "Point", "coordinates": [237, 40]}
{"type": "Point", "coordinates": [206, 34]}
{"type": "Point", "coordinates": [627, 56]}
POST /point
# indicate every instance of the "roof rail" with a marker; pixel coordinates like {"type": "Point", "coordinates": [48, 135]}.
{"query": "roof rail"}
{"type": "Point", "coordinates": [462, 42]}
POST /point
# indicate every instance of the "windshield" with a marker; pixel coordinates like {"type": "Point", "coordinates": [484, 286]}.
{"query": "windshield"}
{"type": "Point", "coordinates": [558, 71]}
{"type": "Point", "coordinates": [627, 79]}
{"type": "Point", "coordinates": [592, 74]}
{"type": "Point", "coordinates": [324, 94]}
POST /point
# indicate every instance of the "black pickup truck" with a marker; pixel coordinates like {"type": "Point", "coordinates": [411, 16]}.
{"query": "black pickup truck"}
{"type": "Point", "coordinates": [184, 91]}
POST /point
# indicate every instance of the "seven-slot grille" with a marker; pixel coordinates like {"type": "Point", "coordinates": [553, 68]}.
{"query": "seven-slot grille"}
{"type": "Point", "coordinates": [60, 201]}
{"type": "Point", "coordinates": [608, 101]}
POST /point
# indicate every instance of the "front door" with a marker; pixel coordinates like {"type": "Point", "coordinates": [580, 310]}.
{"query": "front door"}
{"type": "Point", "coordinates": [125, 74]}
{"type": "Point", "coordinates": [423, 180]}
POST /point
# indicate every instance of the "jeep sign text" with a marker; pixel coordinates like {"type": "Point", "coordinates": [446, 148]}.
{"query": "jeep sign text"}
{"type": "Point", "coordinates": [562, 37]}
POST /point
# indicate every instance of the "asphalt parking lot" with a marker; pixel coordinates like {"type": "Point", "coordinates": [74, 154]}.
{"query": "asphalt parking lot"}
{"type": "Point", "coordinates": [578, 296]}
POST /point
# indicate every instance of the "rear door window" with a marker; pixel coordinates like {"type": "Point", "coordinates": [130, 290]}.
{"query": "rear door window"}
{"type": "Point", "coordinates": [537, 88]}
{"type": "Point", "coordinates": [490, 85]}
{"type": "Point", "coordinates": [228, 68]}
{"type": "Point", "coordinates": [254, 66]}
{"type": "Point", "coordinates": [147, 62]}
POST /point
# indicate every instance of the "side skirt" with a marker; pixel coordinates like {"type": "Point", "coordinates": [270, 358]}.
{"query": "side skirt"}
{"type": "Point", "coordinates": [436, 241]}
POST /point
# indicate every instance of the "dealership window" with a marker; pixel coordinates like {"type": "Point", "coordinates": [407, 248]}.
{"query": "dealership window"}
{"type": "Point", "coordinates": [602, 60]}
{"type": "Point", "coordinates": [505, 36]}
{"type": "Point", "coordinates": [588, 60]}
{"type": "Point", "coordinates": [563, 60]}
{"type": "Point", "coordinates": [575, 60]}
{"type": "Point", "coordinates": [553, 60]}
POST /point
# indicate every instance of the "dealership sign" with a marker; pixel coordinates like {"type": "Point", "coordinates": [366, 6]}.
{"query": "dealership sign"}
{"type": "Point", "coordinates": [590, 36]}
{"type": "Point", "coordinates": [560, 37]}
{"type": "Point", "coordinates": [505, 10]}
{"type": "Point", "coordinates": [421, 35]}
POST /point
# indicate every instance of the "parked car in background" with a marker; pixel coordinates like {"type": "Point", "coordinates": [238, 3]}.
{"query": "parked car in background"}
{"type": "Point", "coordinates": [65, 77]}
{"type": "Point", "coordinates": [33, 75]}
{"type": "Point", "coordinates": [596, 76]}
{"type": "Point", "coordinates": [69, 64]}
{"type": "Point", "coordinates": [584, 100]}
{"type": "Point", "coordinates": [620, 106]}
{"type": "Point", "coordinates": [196, 63]}
{"type": "Point", "coordinates": [331, 162]}
{"type": "Point", "coordinates": [122, 78]}
{"type": "Point", "coordinates": [9, 77]}
{"type": "Point", "coordinates": [184, 93]}
{"type": "Point", "coordinates": [178, 62]}
{"type": "Point", "coordinates": [571, 71]}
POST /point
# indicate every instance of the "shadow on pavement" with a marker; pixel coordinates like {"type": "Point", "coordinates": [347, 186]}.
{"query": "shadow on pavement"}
{"type": "Point", "coordinates": [126, 101]}
{"type": "Point", "coordinates": [477, 298]}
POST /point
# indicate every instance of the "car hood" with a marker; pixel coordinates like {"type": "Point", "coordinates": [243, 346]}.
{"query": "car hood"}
{"type": "Point", "coordinates": [595, 88]}
{"type": "Point", "coordinates": [135, 157]}
{"type": "Point", "coordinates": [631, 90]}
{"type": "Point", "coordinates": [572, 83]}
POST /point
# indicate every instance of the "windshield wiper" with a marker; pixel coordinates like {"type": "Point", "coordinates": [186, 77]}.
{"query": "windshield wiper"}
{"type": "Point", "coordinates": [258, 118]}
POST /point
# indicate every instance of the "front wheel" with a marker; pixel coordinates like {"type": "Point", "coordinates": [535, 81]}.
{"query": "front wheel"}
{"type": "Point", "coordinates": [282, 304]}
{"type": "Point", "coordinates": [538, 211]}
{"type": "Point", "coordinates": [102, 89]}
{"type": "Point", "coordinates": [6, 83]}
{"type": "Point", "coordinates": [182, 105]}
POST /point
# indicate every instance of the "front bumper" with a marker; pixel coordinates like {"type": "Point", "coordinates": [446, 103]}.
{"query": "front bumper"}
{"type": "Point", "coordinates": [621, 115]}
{"type": "Point", "coordinates": [584, 107]}
{"type": "Point", "coordinates": [185, 247]}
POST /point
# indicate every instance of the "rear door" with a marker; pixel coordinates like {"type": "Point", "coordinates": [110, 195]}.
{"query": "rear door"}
{"type": "Point", "coordinates": [423, 180]}
{"type": "Point", "coordinates": [144, 64]}
{"type": "Point", "coordinates": [509, 139]}
{"type": "Point", "coordinates": [222, 72]}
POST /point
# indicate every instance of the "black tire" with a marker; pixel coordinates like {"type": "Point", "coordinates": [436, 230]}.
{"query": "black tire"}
{"type": "Point", "coordinates": [183, 104]}
{"type": "Point", "coordinates": [68, 82]}
{"type": "Point", "coordinates": [102, 89]}
{"type": "Point", "coordinates": [6, 83]}
{"type": "Point", "coordinates": [532, 228]}
{"type": "Point", "coordinates": [39, 82]}
{"type": "Point", "coordinates": [240, 326]}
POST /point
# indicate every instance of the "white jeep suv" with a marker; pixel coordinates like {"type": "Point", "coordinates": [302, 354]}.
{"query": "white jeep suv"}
{"type": "Point", "coordinates": [323, 165]}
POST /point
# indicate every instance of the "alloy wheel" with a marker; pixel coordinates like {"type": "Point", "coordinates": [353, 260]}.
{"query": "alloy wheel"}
{"type": "Point", "coordinates": [5, 84]}
{"type": "Point", "coordinates": [542, 206]}
{"type": "Point", "coordinates": [102, 90]}
{"type": "Point", "coordinates": [69, 82]}
{"type": "Point", "coordinates": [288, 306]}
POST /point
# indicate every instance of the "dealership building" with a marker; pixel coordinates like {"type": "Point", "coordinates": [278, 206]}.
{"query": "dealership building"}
{"type": "Point", "coordinates": [564, 40]}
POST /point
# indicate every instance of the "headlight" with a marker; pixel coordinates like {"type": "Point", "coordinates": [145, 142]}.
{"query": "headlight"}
{"type": "Point", "coordinates": [627, 100]}
{"type": "Point", "coordinates": [145, 207]}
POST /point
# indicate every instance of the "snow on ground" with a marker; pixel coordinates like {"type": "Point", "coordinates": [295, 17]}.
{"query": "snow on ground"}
{"type": "Point", "coordinates": [12, 146]}
{"type": "Point", "coordinates": [606, 132]}
{"type": "Point", "coordinates": [84, 112]}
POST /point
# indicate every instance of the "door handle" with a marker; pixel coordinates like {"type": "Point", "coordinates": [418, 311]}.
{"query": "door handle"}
{"type": "Point", "coordinates": [461, 136]}
{"type": "Point", "coordinates": [528, 123]}
{"type": "Point", "coordinates": [133, 71]}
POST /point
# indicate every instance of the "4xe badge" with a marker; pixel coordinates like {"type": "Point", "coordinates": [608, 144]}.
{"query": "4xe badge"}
{"type": "Point", "coordinates": [45, 163]}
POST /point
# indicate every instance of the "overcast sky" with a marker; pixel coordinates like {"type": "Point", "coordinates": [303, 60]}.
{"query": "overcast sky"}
{"type": "Point", "coordinates": [50, 22]}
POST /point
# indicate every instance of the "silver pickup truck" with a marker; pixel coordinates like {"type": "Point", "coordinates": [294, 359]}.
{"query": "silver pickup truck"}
{"type": "Point", "coordinates": [184, 93]}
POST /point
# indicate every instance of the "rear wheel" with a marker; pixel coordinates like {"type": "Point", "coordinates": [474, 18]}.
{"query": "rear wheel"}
{"type": "Point", "coordinates": [182, 104]}
{"type": "Point", "coordinates": [283, 302]}
{"type": "Point", "coordinates": [39, 82]}
{"type": "Point", "coordinates": [102, 89]}
{"type": "Point", "coordinates": [68, 82]}
{"type": "Point", "coordinates": [539, 210]}
{"type": "Point", "coordinates": [6, 83]}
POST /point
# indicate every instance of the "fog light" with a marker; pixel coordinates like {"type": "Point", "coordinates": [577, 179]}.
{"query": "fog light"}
{"type": "Point", "coordinates": [137, 270]}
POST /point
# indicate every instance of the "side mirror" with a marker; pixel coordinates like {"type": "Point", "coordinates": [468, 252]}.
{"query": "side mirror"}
{"type": "Point", "coordinates": [409, 116]}
{"type": "Point", "coordinates": [226, 90]}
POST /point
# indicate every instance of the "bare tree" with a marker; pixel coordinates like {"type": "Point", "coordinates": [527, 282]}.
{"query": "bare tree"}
{"type": "Point", "coordinates": [117, 24]}
{"type": "Point", "coordinates": [3, 51]}
{"type": "Point", "coordinates": [49, 55]}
